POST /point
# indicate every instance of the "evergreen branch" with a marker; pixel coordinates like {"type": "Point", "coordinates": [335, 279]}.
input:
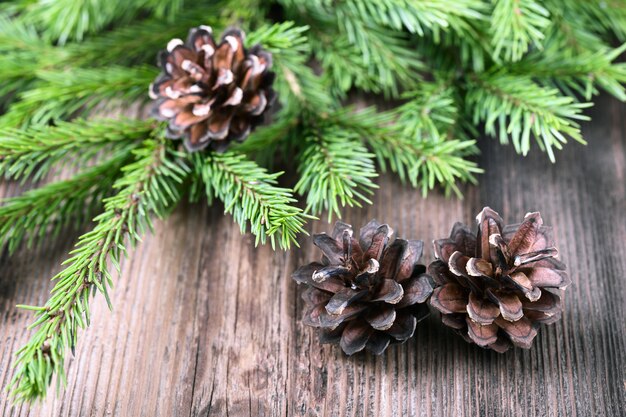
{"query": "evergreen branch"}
{"type": "Point", "coordinates": [579, 73]}
{"type": "Point", "coordinates": [518, 107]}
{"type": "Point", "coordinates": [606, 17]}
{"type": "Point", "coordinates": [25, 54]}
{"type": "Point", "coordinates": [149, 186]}
{"type": "Point", "coordinates": [427, 164]}
{"type": "Point", "coordinates": [387, 56]}
{"type": "Point", "coordinates": [571, 31]}
{"type": "Point", "coordinates": [430, 114]}
{"type": "Point", "coordinates": [31, 153]}
{"type": "Point", "coordinates": [20, 53]}
{"type": "Point", "coordinates": [15, 34]}
{"type": "Point", "coordinates": [63, 20]}
{"type": "Point", "coordinates": [281, 39]}
{"type": "Point", "coordinates": [424, 164]}
{"type": "Point", "coordinates": [140, 41]}
{"type": "Point", "coordinates": [335, 169]}
{"type": "Point", "coordinates": [60, 94]}
{"type": "Point", "coordinates": [297, 85]}
{"type": "Point", "coordinates": [384, 57]}
{"type": "Point", "coordinates": [250, 195]}
{"type": "Point", "coordinates": [267, 141]}
{"type": "Point", "coordinates": [168, 9]}
{"type": "Point", "coordinates": [416, 17]}
{"type": "Point", "coordinates": [46, 210]}
{"type": "Point", "coordinates": [515, 25]}
{"type": "Point", "coordinates": [346, 66]}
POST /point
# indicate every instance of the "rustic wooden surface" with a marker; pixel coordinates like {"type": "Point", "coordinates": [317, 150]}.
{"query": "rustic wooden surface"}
{"type": "Point", "coordinates": [204, 324]}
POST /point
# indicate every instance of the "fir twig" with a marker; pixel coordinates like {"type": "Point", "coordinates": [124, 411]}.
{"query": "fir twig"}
{"type": "Point", "coordinates": [149, 186]}
{"type": "Point", "coordinates": [423, 163]}
{"type": "Point", "coordinates": [250, 195]}
{"type": "Point", "coordinates": [46, 210]}
{"type": "Point", "coordinates": [31, 153]}
{"type": "Point", "coordinates": [515, 25]}
{"type": "Point", "coordinates": [515, 107]}
{"type": "Point", "coordinates": [61, 94]}
{"type": "Point", "coordinates": [335, 169]}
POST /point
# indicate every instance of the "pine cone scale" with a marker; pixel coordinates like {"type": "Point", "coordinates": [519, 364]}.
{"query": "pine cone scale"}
{"type": "Point", "coordinates": [355, 336]}
{"type": "Point", "coordinates": [381, 318]}
{"type": "Point", "coordinates": [416, 291]}
{"type": "Point", "coordinates": [482, 334]}
{"type": "Point", "coordinates": [481, 311]}
{"type": "Point", "coordinates": [449, 299]}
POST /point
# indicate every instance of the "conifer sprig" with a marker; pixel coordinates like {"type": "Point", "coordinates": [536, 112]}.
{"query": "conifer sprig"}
{"type": "Point", "coordinates": [149, 187]}
{"type": "Point", "coordinates": [43, 212]}
{"type": "Point", "coordinates": [336, 170]}
{"type": "Point", "coordinates": [515, 26]}
{"type": "Point", "coordinates": [251, 196]}
{"type": "Point", "coordinates": [516, 107]}
{"type": "Point", "coordinates": [31, 153]}
{"type": "Point", "coordinates": [517, 69]}
{"type": "Point", "coordinates": [61, 94]}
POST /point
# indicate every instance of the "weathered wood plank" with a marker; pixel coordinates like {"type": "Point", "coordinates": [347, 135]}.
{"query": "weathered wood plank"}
{"type": "Point", "coordinates": [205, 324]}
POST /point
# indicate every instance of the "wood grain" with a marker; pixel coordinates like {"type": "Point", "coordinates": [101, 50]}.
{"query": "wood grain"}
{"type": "Point", "coordinates": [205, 324]}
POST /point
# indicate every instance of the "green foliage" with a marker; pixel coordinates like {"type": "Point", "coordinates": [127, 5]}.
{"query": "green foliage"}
{"type": "Point", "coordinates": [66, 20]}
{"type": "Point", "coordinates": [515, 25]}
{"type": "Point", "coordinates": [31, 153]}
{"type": "Point", "coordinates": [149, 185]}
{"type": "Point", "coordinates": [423, 162]}
{"type": "Point", "coordinates": [335, 168]}
{"type": "Point", "coordinates": [513, 69]}
{"type": "Point", "coordinates": [250, 194]}
{"type": "Point", "coordinates": [62, 94]}
{"type": "Point", "coordinates": [518, 107]}
{"type": "Point", "coordinates": [42, 212]}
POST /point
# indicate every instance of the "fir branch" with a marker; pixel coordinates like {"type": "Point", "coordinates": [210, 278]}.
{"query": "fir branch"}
{"type": "Point", "coordinates": [63, 20]}
{"type": "Point", "coordinates": [138, 42]}
{"type": "Point", "coordinates": [15, 34]}
{"type": "Point", "coordinates": [579, 73]}
{"type": "Point", "coordinates": [416, 17]}
{"type": "Point", "coordinates": [267, 141]}
{"type": "Point", "coordinates": [281, 39]}
{"type": "Point", "coordinates": [250, 195]}
{"type": "Point", "coordinates": [606, 17]}
{"type": "Point", "coordinates": [149, 186]}
{"type": "Point", "coordinates": [44, 211]}
{"type": "Point", "coordinates": [62, 94]}
{"type": "Point", "coordinates": [517, 107]}
{"type": "Point", "coordinates": [430, 114]}
{"type": "Point", "coordinates": [296, 83]}
{"type": "Point", "coordinates": [387, 56]}
{"type": "Point", "coordinates": [31, 153]}
{"type": "Point", "coordinates": [20, 52]}
{"type": "Point", "coordinates": [335, 170]}
{"type": "Point", "coordinates": [168, 9]}
{"type": "Point", "coordinates": [515, 25]}
{"type": "Point", "coordinates": [571, 31]}
{"type": "Point", "coordinates": [424, 164]}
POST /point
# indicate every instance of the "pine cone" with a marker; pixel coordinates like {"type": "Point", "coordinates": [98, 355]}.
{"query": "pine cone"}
{"type": "Point", "coordinates": [365, 293]}
{"type": "Point", "coordinates": [212, 93]}
{"type": "Point", "coordinates": [496, 288]}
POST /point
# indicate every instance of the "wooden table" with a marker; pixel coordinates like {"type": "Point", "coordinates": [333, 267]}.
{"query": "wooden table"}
{"type": "Point", "coordinates": [204, 323]}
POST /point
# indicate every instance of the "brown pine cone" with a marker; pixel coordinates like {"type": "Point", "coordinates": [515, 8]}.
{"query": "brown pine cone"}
{"type": "Point", "coordinates": [495, 289]}
{"type": "Point", "coordinates": [365, 293]}
{"type": "Point", "coordinates": [211, 93]}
